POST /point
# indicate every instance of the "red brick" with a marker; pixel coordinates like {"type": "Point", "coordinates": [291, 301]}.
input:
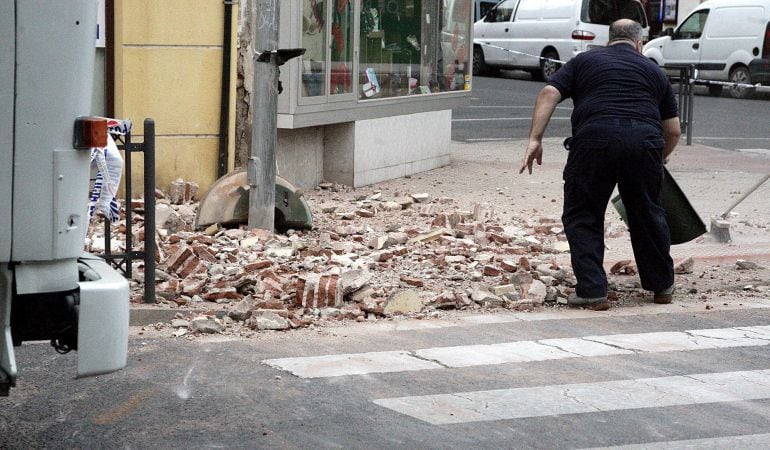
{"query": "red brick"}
{"type": "Point", "coordinates": [221, 294]}
{"type": "Point", "coordinates": [178, 259]}
{"type": "Point", "coordinates": [272, 304]}
{"type": "Point", "coordinates": [193, 286]}
{"type": "Point", "coordinates": [321, 291]}
{"type": "Point", "coordinates": [257, 265]}
{"type": "Point", "coordinates": [191, 266]}
{"type": "Point", "coordinates": [300, 290]}
{"type": "Point", "coordinates": [439, 221]}
{"type": "Point", "coordinates": [499, 238]}
{"type": "Point", "coordinates": [202, 252]}
{"type": "Point", "coordinates": [203, 239]}
{"type": "Point", "coordinates": [272, 285]}
{"type": "Point", "coordinates": [508, 265]}
{"type": "Point", "coordinates": [411, 281]}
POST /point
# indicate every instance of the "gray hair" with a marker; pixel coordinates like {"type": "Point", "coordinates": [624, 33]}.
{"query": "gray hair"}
{"type": "Point", "coordinates": [625, 30]}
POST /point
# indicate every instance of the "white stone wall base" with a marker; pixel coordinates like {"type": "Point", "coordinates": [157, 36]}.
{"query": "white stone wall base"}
{"type": "Point", "coordinates": [366, 151]}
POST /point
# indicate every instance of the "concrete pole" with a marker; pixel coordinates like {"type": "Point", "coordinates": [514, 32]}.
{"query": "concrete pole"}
{"type": "Point", "coordinates": [261, 164]}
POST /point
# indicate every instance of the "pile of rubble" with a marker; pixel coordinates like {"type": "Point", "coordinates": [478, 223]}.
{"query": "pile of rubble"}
{"type": "Point", "coordinates": [369, 255]}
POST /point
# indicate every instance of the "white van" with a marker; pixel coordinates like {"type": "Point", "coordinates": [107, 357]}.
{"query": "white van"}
{"type": "Point", "coordinates": [522, 32]}
{"type": "Point", "coordinates": [720, 37]}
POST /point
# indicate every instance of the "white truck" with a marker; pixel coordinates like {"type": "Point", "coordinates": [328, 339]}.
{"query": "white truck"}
{"type": "Point", "coordinates": [50, 290]}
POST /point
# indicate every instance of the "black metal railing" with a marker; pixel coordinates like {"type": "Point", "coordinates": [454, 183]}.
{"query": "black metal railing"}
{"type": "Point", "coordinates": [123, 261]}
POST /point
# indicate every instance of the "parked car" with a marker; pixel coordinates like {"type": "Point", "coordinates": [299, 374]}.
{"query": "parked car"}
{"type": "Point", "coordinates": [759, 68]}
{"type": "Point", "coordinates": [518, 34]}
{"type": "Point", "coordinates": [719, 37]}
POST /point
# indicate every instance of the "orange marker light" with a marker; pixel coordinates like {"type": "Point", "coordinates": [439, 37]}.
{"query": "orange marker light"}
{"type": "Point", "coordinates": [90, 132]}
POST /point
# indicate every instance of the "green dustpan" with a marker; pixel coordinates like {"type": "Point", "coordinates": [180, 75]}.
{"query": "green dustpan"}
{"type": "Point", "coordinates": [684, 223]}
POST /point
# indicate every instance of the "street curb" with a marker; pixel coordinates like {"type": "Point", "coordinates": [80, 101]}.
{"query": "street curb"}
{"type": "Point", "coordinates": [140, 317]}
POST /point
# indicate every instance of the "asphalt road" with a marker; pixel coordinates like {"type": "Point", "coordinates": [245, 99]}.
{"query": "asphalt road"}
{"type": "Point", "coordinates": [501, 109]}
{"type": "Point", "coordinates": [700, 380]}
{"type": "Point", "coordinates": [219, 393]}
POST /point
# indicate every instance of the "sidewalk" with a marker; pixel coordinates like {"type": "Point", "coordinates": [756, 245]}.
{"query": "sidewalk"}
{"type": "Point", "coordinates": [487, 174]}
{"type": "Point", "coordinates": [711, 178]}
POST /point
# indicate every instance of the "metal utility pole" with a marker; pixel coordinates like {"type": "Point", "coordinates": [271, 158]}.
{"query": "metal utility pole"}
{"type": "Point", "coordinates": [261, 164]}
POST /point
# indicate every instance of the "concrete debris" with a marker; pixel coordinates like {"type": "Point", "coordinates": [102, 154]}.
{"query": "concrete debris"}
{"type": "Point", "coordinates": [403, 302]}
{"type": "Point", "coordinates": [421, 197]}
{"type": "Point", "coordinates": [267, 320]}
{"type": "Point", "coordinates": [743, 264]}
{"type": "Point", "coordinates": [372, 254]}
{"type": "Point", "coordinates": [207, 325]}
{"type": "Point", "coordinates": [624, 267]}
{"type": "Point", "coordinates": [684, 266]}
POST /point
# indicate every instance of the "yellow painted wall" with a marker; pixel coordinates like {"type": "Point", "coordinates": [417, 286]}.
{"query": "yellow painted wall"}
{"type": "Point", "coordinates": [168, 63]}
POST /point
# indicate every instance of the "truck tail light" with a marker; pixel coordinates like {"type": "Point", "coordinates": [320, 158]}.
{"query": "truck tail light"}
{"type": "Point", "coordinates": [583, 35]}
{"type": "Point", "coordinates": [766, 44]}
{"type": "Point", "coordinates": [90, 132]}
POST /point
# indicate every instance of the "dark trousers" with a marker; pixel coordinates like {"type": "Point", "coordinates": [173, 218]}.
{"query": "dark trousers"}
{"type": "Point", "coordinates": [602, 154]}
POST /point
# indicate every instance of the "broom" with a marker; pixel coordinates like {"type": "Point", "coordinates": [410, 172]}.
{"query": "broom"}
{"type": "Point", "coordinates": [720, 228]}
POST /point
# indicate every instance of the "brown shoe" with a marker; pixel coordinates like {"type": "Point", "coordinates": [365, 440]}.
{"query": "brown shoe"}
{"type": "Point", "coordinates": [665, 296]}
{"type": "Point", "coordinates": [594, 304]}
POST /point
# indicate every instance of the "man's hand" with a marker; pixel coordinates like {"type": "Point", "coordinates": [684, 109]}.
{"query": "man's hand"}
{"type": "Point", "coordinates": [534, 153]}
{"type": "Point", "coordinates": [546, 103]}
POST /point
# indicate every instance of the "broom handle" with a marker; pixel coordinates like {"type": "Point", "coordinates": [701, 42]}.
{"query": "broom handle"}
{"type": "Point", "coordinates": [745, 194]}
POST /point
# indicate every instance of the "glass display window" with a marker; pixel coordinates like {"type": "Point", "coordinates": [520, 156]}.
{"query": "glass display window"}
{"type": "Point", "coordinates": [327, 36]}
{"type": "Point", "coordinates": [359, 52]}
{"type": "Point", "coordinates": [413, 47]}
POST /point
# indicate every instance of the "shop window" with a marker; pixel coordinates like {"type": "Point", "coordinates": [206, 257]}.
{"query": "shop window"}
{"type": "Point", "coordinates": [413, 47]}
{"type": "Point", "coordinates": [327, 72]}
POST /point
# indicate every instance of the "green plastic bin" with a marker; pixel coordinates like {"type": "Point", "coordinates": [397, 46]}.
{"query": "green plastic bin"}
{"type": "Point", "coordinates": [683, 221]}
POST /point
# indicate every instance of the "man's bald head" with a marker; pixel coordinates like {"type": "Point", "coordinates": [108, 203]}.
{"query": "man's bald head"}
{"type": "Point", "coordinates": [625, 30]}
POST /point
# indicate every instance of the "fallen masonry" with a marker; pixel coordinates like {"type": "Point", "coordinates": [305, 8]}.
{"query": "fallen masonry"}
{"type": "Point", "coordinates": [370, 255]}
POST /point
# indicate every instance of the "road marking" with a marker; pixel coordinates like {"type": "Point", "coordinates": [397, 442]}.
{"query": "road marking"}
{"type": "Point", "coordinates": [742, 442]}
{"type": "Point", "coordinates": [497, 119]}
{"type": "Point", "coordinates": [513, 317]}
{"type": "Point", "coordinates": [726, 138]}
{"type": "Point", "coordinates": [520, 352]}
{"type": "Point", "coordinates": [759, 151]}
{"type": "Point", "coordinates": [518, 403]}
{"type": "Point", "coordinates": [351, 364]}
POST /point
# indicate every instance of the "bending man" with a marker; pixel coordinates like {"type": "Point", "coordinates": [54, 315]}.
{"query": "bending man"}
{"type": "Point", "coordinates": [624, 125]}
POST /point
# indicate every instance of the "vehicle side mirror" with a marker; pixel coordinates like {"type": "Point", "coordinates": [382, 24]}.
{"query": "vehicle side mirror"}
{"type": "Point", "coordinates": [490, 15]}
{"type": "Point", "coordinates": [669, 32]}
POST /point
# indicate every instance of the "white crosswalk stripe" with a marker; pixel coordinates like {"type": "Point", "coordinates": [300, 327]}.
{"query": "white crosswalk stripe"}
{"type": "Point", "coordinates": [745, 442]}
{"type": "Point", "coordinates": [698, 390]}
{"type": "Point", "coordinates": [521, 351]}
{"type": "Point", "coordinates": [520, 403]}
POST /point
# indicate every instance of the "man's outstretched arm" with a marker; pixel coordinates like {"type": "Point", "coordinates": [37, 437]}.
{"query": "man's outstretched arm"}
{"type": "Point", "coordinates": [671, 133]}
{"type": "Point", "coordinates": [545, 105]}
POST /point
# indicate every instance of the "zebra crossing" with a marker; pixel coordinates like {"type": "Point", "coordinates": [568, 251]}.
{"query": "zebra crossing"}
{"type": "Point", "coordinates": [672, 388]}
{"type": "Point", "coordinates": [520, 351]}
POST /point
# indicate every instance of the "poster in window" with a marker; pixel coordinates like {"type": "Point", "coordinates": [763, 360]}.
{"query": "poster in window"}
{"type": "Point", "coordinates": [669, 10]}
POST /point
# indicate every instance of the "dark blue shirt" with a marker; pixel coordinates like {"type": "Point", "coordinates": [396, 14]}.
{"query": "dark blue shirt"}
{"type": "Point", "coordinates": [615, 81]}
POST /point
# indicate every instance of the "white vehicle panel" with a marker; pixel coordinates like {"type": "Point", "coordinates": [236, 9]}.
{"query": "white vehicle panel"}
{"type": "Point", "coordinates": [102, 321]}
{"type": "Point", "coordinates": [7, 51]}
{"type": "Point", "coordinates": [39, 131]}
